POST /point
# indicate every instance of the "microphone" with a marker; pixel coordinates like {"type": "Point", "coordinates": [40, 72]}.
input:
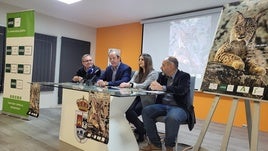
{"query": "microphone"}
{"type": "Point", "coordinates": [90, 81]}
{"type": "Point", "coordinates": [90, 71]}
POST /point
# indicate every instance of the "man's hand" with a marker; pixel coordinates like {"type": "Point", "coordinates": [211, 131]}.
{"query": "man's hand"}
{"type": "Point", "coordinates": [102, 83]}
{"type": "Point", "coordinates": [156, 86]}
{"type": "Point", "coordinates": [77, 78]}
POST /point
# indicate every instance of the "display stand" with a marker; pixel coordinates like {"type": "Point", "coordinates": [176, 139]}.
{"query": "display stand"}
{"type": "Point", "coordinates": [252, 124]}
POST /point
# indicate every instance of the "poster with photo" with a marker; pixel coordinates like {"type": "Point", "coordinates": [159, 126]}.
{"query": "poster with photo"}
{"type": "Point", "coordinates": [34, 100]}
{"type": "Point", "coordinates": [238, 61]}
{"type": "Point", "coordinates": [92, 118]}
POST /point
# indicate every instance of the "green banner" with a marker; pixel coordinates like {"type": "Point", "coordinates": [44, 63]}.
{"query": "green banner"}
{"type": "Point", "coordinates": [15, 106]}
{"type": "Point", "coordinates": [20, 24]}
{"type": "Point", "coordinates": [19, 62]}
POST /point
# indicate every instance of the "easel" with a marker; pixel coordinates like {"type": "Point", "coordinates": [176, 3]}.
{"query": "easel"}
{"type": "Point", "coordinates": [252, 123]}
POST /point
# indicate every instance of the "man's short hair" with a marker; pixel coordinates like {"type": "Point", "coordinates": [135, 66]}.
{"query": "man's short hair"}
{"type": "Point", "coordinates": [115, 51]}
{"type": "Point", "coordinates": [174, 60]}
{"type": "Point", "coordinates": [85, 55]}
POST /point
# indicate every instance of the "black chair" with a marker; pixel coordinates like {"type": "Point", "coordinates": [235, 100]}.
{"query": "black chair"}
{"type": "Point", "coordinates": [162, 118]}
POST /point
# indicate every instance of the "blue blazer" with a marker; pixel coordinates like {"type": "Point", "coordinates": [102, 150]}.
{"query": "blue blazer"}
{"type": "Point", "coordinates": [123, 74]}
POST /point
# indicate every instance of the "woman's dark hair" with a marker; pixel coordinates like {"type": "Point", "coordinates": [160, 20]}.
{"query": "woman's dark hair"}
{"type": "Point", "coordinates": [148, 66]}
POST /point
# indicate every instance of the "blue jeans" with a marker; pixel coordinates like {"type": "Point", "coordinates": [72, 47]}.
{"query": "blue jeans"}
{"type": "Point", "coordinates": [174, 117]}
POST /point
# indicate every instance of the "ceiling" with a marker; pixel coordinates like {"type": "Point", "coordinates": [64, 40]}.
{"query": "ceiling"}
{"type": "Point", "coordinates": [103, 13]}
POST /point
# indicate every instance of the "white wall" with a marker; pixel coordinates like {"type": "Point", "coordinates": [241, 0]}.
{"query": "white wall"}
{"type": "Point", "coordinates": [54, 27]}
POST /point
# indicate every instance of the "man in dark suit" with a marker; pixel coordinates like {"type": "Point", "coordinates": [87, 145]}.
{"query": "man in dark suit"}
{"type": "Point", "coordinates": [117, 72]}
{"type": "Point", "coordinates": [88, 72]}
{"type": "Point", "coordinates": [172, 104]}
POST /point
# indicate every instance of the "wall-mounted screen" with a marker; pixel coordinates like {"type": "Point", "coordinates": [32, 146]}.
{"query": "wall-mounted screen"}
{"type": "Point", "coordinates": [188, 37]}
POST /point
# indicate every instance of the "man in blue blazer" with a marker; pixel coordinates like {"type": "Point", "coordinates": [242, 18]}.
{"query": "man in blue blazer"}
{"type": "Point", "coordinates": [116, 73]}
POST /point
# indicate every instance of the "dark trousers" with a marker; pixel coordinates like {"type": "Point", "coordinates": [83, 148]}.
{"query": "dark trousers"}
{"type": "Point", "coordinates": [132, 114]}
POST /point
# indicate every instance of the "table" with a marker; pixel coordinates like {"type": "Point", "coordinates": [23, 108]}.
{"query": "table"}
{"type": "Point", "coordinates": [121, 137]}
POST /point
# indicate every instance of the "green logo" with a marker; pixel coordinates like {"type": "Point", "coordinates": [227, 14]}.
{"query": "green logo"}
{"type": "Point", "coordinates": [9, 50]}
{"type": "Point", "coordinates": [222, 87]}
{"type": "Point", "coordinates": [10, 22]}
{"type": "Point", "coordinates": [20, 68]}
{"type": "Point", "coordinates": [13, 83]}
{"type": "Point", "coordinates": [21, 50]}
{"type": "Point", "coordinates": [8, 68]}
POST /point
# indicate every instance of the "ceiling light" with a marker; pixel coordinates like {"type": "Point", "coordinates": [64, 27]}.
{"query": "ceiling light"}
{"type": "Point", "coordinates": [69, 1]}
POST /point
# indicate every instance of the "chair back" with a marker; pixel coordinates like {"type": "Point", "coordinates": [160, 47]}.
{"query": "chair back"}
{"type": "Point", "coordinates": [190, 108]}
{"type": "Point", "coordinates": [192, 86]}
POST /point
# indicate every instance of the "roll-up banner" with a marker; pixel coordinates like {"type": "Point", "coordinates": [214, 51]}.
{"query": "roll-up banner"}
{"type": "Point", "coordinates": [19, 62]}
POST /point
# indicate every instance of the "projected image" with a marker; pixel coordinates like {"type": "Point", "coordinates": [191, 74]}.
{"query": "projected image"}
{"type": "Point", "coordinates": [190, 42]}
{"type": "Point", "coordinates": [187, 37]}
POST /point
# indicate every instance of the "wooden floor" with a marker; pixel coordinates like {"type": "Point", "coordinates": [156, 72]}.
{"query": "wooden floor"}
{"type": "Point", "coordinates": [42, 134]}
{"type": "Point", "coordinates": [36, 134]}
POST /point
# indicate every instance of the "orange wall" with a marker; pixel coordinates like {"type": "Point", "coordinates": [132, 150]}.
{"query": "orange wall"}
{"type": "Point", "coordinates": [128, 38]}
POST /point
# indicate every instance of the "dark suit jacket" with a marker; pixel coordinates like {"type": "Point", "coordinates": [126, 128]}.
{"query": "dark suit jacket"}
{"type": "Point", "coordinates": [181, 92]}
{"type": "Point", "coordinates": [180, 88]}
{"type": "Point", "coordinates": [92, 74]}
{"type": "Point", "coordinates": [123, 74]}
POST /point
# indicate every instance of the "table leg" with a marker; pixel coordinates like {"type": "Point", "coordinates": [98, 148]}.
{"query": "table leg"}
{"type": "Point", "coordinates": [121, 137]}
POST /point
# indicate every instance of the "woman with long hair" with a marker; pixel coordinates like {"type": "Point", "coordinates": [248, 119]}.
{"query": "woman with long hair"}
{"type": "Point", "coordinates": [140, 80]}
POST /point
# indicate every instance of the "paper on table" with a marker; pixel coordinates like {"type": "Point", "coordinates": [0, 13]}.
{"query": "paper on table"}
{"type": "Point", "coordinates": [113, 87]}
{"type": "Point", "coordinates": [155, 92]}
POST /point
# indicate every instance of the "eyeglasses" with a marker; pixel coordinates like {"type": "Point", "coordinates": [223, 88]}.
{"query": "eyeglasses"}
{"type": "Point", "coordinates": [87, 60]}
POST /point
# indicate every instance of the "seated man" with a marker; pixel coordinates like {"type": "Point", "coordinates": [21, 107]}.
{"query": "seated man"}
{"type": "Point", "coordinates": [116, 73]}
{"type": "Point", "coordinates": [172, 104]}
{"type": "Point", "coordinates": [88, 73]}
